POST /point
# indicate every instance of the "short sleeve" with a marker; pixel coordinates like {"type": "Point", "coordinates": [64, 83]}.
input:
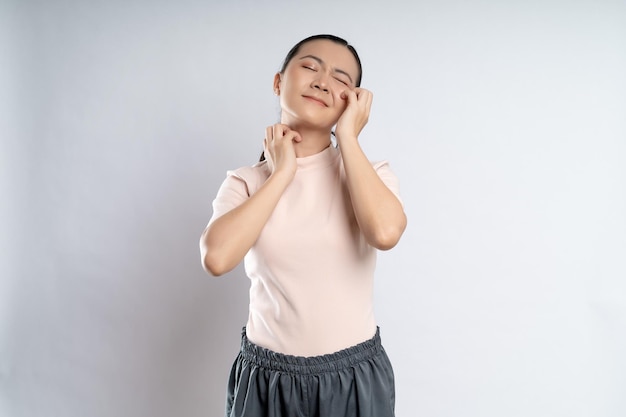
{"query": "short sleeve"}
{"type": "Point", "coordinates": [238, 186]}
{"type": "Point", "coordinates": [387, 176]}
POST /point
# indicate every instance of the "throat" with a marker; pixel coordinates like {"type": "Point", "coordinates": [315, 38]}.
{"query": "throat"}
{"type": "Point", "coordinates": [309, 147]}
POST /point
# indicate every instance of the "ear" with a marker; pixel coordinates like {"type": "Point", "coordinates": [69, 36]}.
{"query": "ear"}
{"type": "Point", "coordinates": [277, 79]}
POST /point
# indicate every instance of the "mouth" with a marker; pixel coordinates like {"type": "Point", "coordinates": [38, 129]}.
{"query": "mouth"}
{"type": "Point", "coordinates": [316, 100]}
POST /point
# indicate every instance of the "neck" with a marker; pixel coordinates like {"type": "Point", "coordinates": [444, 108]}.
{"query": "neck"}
{"type": "Point", "coordinates": [314, 140]}
{"type": "Point", "coordinates": [309, 147]}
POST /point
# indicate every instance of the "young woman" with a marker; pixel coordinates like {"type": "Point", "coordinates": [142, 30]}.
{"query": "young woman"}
{"type": "Point", "coordinates": [307, 221]}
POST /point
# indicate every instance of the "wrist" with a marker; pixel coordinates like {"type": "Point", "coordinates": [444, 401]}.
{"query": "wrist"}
{"type": "Point", "coordinates": [347, 141]}
{"type": "Point", "coordinates": [282, 176]}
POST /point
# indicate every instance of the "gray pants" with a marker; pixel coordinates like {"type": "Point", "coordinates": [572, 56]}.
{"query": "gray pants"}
{"type": "Point", "coordinates": [354, 382]}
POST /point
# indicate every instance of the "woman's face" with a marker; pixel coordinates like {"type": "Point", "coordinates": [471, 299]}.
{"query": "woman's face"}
{"type": "Point", "coordinates": [310, 87]}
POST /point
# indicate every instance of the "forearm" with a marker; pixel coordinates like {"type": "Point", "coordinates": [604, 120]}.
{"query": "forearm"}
{"type": "Point", "coordinates": [227, 239]}
{"type": "Point", "coordinates": [378, 211]}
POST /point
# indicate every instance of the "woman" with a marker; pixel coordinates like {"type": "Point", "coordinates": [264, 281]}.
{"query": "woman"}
{"type": "Point", "coordinates": [307, 221]}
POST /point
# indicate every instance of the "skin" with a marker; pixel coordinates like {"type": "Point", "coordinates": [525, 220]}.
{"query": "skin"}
{"type": "Point", "coordinates": [316, 93]}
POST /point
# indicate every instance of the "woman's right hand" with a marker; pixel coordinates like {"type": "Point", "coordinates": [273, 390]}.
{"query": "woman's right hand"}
{"type": "Point", "coordinates": [279, 148]}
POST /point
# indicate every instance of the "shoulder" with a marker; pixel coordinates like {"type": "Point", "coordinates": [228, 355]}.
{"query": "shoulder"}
{"type": "Point", "coordinates": [383, 168]}
{"type": "Point", "coordinates": [377, 165]}
{"type": "Point", "coordinates": [253, 176]}
{"type": "Point", "coordinates": [388, 177]}
{"type": "Point", "coordinates": [384, 171]}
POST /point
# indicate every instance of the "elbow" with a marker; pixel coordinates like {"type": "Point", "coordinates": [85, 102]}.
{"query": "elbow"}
{"type": "Point", "coordinates": [213, 262]}
{"type": "Point", "coordinates": [388, 237]}
{"type": "Point", "coordinates": [213, 265]}
{"type": "Point", "coordinates": [385, 241]}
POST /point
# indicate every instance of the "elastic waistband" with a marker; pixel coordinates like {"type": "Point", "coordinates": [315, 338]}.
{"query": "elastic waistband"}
{"type": "Point", "coordinates": [301, 365]}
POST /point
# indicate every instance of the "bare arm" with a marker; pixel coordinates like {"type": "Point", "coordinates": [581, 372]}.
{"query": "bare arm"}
{"type": "Point", "coordinates": [227, 239]}
{"type": "Point", "coordinates": [378, 211]}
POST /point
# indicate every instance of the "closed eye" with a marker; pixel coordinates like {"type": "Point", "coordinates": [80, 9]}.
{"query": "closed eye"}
{"type": "Point", "coordinates": [309, 68]}
{"type": "Point", "coordinates": [341, 81]}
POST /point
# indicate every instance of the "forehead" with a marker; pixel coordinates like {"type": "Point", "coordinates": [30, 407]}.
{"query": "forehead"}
{"type": "Point", "coordinates": [333, 54]}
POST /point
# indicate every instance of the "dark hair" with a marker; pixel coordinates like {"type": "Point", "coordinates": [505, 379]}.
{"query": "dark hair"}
{"type": "Point", "coordinates": [331, 38]}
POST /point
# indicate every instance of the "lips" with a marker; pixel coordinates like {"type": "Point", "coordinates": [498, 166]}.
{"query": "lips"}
{"type": "Point", "coordinates": [316, 100]}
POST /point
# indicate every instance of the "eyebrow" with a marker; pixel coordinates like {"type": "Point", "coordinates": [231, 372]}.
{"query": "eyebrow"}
{"type": "Point", "coordinates": [321, 62]}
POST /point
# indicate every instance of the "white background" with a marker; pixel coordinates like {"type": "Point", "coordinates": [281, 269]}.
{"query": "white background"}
{"type": "Point", "coordinates": [505, 122]}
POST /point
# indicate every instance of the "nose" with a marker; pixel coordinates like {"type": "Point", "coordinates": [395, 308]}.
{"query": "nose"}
{"type": "Point", "coordinates": [321, 82]}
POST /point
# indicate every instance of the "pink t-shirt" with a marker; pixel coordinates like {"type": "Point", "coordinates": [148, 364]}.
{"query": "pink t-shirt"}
{"type": "Point", "coordinates": [311, 270]}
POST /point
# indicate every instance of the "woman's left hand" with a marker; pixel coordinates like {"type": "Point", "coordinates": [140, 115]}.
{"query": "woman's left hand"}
{"type": "Point", "coordinates": [356, 114]}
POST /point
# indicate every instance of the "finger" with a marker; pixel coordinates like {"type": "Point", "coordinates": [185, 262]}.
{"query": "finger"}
{"type": "Point", "coordinates": [362, 93]}
{"type": "Point", "coordinates": [349, 96]}
{"type": "Point", "coordinates": [276, 132]}
{"type": "Point", "coordinates": [295, 136]}
{"type": "Point", "coordinates": [279, 130]}
{"type": "Point", "coordinates": [292, 135]}
{"type": "Point", "coordinates": [366, 98]}
{"type": "Point", "coordinates": [269, 133]}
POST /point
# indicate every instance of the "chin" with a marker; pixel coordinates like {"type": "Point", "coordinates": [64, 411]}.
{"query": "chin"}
{"type": "Point", "coordinates": [311, 122]}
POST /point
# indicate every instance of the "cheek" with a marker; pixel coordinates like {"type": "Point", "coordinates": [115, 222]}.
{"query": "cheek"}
{"type": "Point", "coordinates": [342, 103]}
